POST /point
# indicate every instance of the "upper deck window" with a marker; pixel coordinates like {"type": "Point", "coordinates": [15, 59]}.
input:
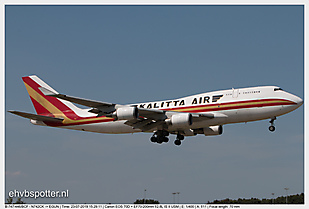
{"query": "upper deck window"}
{"type": "Point", "coordinates": [278, 89]}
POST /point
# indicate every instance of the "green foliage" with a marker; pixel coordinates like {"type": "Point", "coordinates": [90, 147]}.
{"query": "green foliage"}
{"type": "Point", "coordinates": [18, 201]}
{"type": "Point", "coordinates": [9, 200]}
{"type": "Point", "coordinates": [147, 201]}
{"type": "Point", "coordinates": [292, 199]}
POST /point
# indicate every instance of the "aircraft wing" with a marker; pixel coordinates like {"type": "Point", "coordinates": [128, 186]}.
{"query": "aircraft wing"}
{"type": "Point", "coordinates": [37, 117]}
{"type": "Point", "coordinates": [152, 114]}
{"type": "Point", "coordinates": [147, 120]}
{"type": "Point", "coordinates": [85, 102]}
{"type": "Point", "coordinates": [77, 100]}
{"type": "Point", "coordinates": [102, 108]}
{"type": "Point", "coordinates": [144, 124]}
{"type": "Point", "coordinates": [156, 118]}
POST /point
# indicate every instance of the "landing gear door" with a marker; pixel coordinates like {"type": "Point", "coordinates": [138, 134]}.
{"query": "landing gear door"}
{"type": "Point", "coordinates": [235, 93]}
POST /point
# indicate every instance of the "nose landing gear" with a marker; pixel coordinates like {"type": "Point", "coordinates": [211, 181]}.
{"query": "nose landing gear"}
{"type": "Point", "coordinates": [272, 127]}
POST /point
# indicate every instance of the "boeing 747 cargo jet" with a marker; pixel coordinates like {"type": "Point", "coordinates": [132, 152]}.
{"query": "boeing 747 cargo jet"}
{"type": "Point", "coordinates": [204, 113]}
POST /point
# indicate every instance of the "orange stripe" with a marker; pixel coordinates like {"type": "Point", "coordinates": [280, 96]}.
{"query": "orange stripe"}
{"type": "Point", "coordinates": [232, 105]}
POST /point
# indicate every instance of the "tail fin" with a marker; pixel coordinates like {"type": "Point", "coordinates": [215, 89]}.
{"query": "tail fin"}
{"type": "Point", "coordinates": [46, 105]}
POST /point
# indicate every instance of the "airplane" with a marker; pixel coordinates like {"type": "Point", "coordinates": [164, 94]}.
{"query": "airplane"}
{"type": "Point", "coordinates": [204, 113]}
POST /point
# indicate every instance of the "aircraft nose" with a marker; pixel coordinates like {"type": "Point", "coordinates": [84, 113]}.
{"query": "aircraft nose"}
{"type": "Point", "coordinates": [299, 101]}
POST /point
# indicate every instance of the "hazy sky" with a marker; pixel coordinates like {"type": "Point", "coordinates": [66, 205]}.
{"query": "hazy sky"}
{"type": "Point", "coordinates": [131, 54]}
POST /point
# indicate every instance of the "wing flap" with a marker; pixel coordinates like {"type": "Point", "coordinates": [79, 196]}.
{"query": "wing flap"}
{"type": "Point", "coordinates": [150, 118]}
{"type": "Point", "coordinates": [152, 125]}
{"type": "Point", "coordinates": [138, 123]}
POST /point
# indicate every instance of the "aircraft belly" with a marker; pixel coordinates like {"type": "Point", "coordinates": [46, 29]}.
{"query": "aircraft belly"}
{"type": "Point", "coordinates": [240, 116]}
{"type": "Point", "coordinates": [259, 113]}
{"type": "Point", "coordinates": [268, 112]}
{"type": "Point", "coordinates": [115, 127]}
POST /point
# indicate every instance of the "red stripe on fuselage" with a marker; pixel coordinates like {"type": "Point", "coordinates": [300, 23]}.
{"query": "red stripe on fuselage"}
{"type": "Point", "coordinates": [231, 105]}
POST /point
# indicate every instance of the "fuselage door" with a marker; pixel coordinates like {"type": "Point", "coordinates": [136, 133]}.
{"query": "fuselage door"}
{"type": "Point", "coordinates": [235, 93]}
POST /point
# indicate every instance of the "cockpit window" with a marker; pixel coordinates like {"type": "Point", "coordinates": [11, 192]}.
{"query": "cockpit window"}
{"type": "Point", "coordinates": [278, 89]}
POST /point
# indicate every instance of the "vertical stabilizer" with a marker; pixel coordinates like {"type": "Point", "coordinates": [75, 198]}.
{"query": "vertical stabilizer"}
{"type": "Point", "coordinates": [46, 105]}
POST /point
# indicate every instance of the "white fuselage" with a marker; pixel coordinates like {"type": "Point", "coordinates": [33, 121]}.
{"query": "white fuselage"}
{"type": "Point", "coordinates": [228, 106]}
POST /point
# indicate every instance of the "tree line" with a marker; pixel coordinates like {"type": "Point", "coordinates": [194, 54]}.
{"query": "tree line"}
{"type": "Point", "coordinates": [292, 199]}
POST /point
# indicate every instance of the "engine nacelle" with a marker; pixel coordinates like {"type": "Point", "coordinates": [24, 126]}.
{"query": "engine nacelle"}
{"type": "Point", "coordinates": [213, 130]}
{"type": "Point", "coordinates": [181, 120]}
{"type": "Point", "coordinates": [126, 113]}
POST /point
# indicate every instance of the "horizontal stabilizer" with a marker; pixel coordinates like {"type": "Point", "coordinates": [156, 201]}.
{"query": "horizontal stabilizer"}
{"type": "Point", "coordinates": [36, 117]}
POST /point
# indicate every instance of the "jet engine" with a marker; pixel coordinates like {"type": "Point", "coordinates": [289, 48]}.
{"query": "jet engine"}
{"type": "Point", "coordinates": [213, 130]}
{"type": "Point", "coordinates": [181, 120]}
{"type": "Point", "coordinates": [126, 113]}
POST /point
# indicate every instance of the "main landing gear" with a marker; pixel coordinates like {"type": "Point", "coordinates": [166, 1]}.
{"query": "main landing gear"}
{"type": "Point", "coordinates": [178, 140]}
{"type": "Point", "coordinates": [272, 127]}
{"type": "Point", "coordinates": [162, 136]}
